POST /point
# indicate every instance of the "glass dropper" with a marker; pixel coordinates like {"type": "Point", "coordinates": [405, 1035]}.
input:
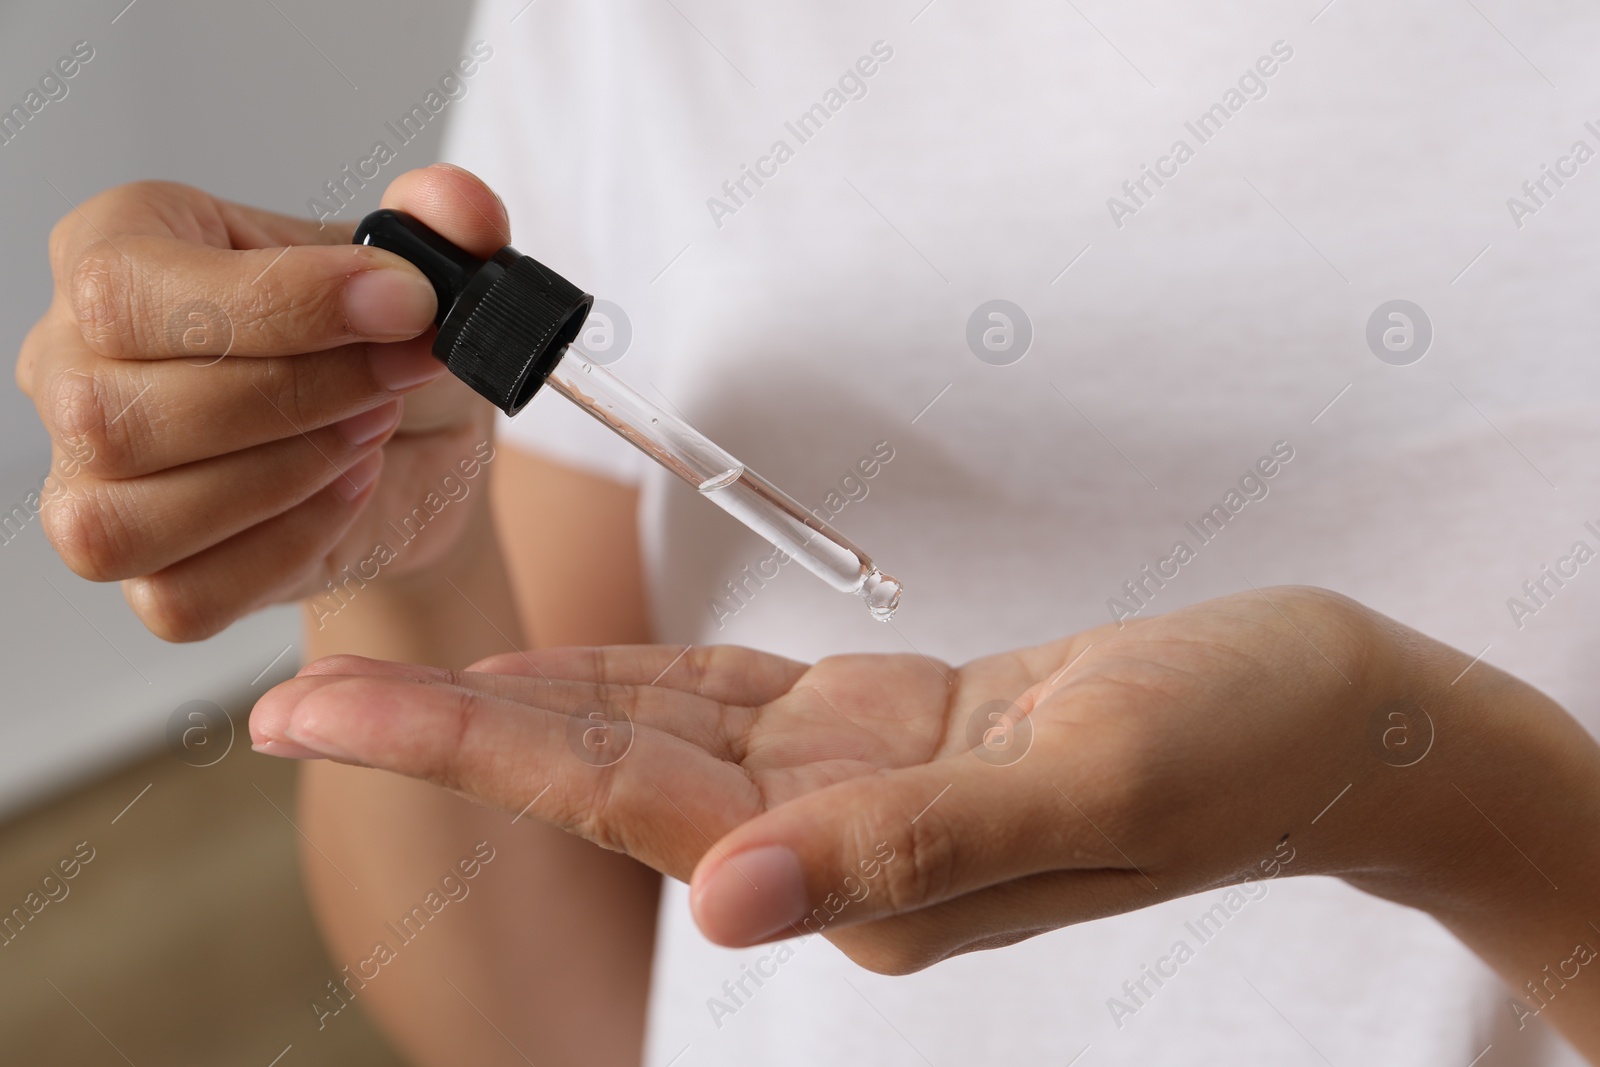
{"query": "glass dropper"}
{"type": "Point", "coordinates": [723, 480]}
{"type": "Point", "coordinates": [506, 327]}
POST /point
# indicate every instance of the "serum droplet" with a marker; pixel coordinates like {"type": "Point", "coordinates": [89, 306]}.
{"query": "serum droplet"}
{"type": "Point", "coordinates": [882, 594]}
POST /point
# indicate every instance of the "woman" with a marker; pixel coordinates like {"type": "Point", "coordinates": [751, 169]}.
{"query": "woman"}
{"type": "Point", "coordinates": [1203, 384]}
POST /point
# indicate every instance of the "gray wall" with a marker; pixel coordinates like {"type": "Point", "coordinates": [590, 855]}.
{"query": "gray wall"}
{"type": "Point", "coordinates": [259, 102]}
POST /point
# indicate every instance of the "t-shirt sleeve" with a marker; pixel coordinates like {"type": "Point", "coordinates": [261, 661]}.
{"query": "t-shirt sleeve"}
{"type": "Point", "coordinates": [517, 106]}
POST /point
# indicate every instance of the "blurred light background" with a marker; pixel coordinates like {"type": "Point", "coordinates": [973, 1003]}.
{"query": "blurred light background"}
{"type": "Point", "coordinates": [184, 940]}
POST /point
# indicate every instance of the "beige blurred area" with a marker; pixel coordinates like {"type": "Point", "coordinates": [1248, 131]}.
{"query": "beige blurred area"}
{"type": "Point", "coordinates": [186, 939]}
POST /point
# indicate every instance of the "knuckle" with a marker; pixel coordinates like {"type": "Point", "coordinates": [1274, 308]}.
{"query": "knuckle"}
{"type": "Point", "coordinates": [596, 821]}
{"type": "Point", "coordinates": [281, 314]}
{"type": "Point", "coordinates": [290, 388]}
{"type": "Point", "coordinates": [449, 762]}
{"type": "Point", "coordinates": [61, 234]}
{"type": "Point", "coordinates": [76, 403]}
{"type": "Point", "coordinates": [701, 664]}
{"type": "Point", "coordinates": [101, 286]}
{"type": "Point", "coordinates": [923, 872]}
{"type": "Point", "coordinates": [499, 663]}
{"type": "Point", "coordinates": [87, 535]}
{"type": "Point", "coordinates": [29, 354]}
{"type": "Point", "coordinates": [169, 610]}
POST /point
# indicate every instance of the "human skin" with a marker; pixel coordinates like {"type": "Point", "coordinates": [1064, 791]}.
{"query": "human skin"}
{"type": "Point", "coordinates": [1170, 756]}
{"type": "Point", "coordinates": [220, 484]}
{"type": "Point", "coordinates": [215, 487]}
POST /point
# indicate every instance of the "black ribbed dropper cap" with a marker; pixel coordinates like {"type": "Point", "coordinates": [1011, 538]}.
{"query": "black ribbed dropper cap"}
{"type": "Point", "coordinates": [503, 321]}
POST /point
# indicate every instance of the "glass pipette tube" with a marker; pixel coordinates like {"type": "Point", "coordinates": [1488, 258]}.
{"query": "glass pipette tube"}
{"type": "Point", "coordinates": [504, 320]}
{"type": "Point", "coordinates": [723, 480]}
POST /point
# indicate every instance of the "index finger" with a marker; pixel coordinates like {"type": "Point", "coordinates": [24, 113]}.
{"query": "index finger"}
{"type": "Point", "coordinates": [163, 286]}
{"type": "Point", "coordinates": [153, 297]}
{"type": "Point", "coordinates": [657, 797]}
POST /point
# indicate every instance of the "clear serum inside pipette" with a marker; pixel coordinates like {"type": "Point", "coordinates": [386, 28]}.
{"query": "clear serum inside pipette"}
{"type": "Point", "coordinates": [506, 327]}
{"type": "Point", "coordinates": [726, 482]}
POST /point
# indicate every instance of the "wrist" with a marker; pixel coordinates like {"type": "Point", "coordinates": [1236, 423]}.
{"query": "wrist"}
{"type": "Point", "coordinates": [1523, 890]}
{"type": "Point", "coordinates": [1488, 822]}
{"type": "Point", "coordinates": [450, 611]}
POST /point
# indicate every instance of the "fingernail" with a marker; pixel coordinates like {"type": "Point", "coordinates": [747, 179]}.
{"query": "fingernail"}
{"type": "Point", "coordinates": [388, 304]}
{"type": "Point", "coordinates": [317, 746]}
{"type": "Point", "coordinates": [401, 367]}
{"type": "Point", "coordinates": [752, 895]}
{"type": "Point", "coordinates": [285, 750]}
{"type": "Point", "coordinates": [355, 479]}
{"type": "Point", "coordinates": [359, 429]}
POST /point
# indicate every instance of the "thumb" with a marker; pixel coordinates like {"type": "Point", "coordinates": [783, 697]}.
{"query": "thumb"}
{"type": "Point", "coordinates": [454, 202]}
{"type": "Point", "coordinates": [879, 845]}
{"type": "Point", "coordinates": [458, 206]}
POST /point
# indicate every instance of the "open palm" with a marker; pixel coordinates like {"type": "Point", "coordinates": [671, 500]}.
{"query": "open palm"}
{"type": "Point", "coordinates": [1015, 794]}
{"type": "Point", "coordinates": [652, 750]}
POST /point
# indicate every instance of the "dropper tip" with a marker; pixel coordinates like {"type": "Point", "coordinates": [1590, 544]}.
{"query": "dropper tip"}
{"type": "Point", "coordinates": [882, 594]}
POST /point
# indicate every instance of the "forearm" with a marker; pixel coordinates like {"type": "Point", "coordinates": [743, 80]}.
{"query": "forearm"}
{"type": "Point", "coordinates": [1505, 826]}
{"type": "Point", "coordinates": [448, 615]}
{"type": "Point", "coordinates": [551, 944]}
{"type": "Point", "coordinates": [1531, 866]}
{"type": "Point", "coordinates": [551, 927]}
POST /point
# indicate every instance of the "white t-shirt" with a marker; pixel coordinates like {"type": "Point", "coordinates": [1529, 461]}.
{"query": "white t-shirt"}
{"type": "Point", "coordinates": [1182, 325]}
